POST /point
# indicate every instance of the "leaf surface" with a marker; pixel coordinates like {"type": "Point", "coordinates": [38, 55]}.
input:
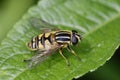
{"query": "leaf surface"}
{"type": "Point", "coordinates": [97, 20]}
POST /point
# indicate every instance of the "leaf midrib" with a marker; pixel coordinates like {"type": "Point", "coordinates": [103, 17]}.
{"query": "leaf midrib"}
{"type": "Point", "coordinates": [104, 23]}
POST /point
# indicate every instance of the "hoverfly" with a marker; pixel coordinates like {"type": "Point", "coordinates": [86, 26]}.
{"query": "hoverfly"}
{"type": "Point", "coordinates": [49, 41]}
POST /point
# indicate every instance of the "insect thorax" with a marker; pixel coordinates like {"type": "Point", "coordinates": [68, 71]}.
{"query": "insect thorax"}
{"type": "Point", "coordinates": [63, 37]}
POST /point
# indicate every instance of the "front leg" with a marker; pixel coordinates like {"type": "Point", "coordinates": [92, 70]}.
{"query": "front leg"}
{"type": "Point", "coordinates": [67, 62]}
{"type": "Point", "coordinates": [73, 52]}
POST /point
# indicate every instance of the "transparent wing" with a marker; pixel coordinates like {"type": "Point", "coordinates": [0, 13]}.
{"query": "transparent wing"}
{"type": "Point", "coordinates": [40, 57]}
{"type": "Point", "coordinates": [41, 24]}
{"type": "Point", "coordinates": [36, 59]}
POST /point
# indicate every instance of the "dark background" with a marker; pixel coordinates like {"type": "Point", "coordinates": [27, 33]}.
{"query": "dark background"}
{"type": "Point", "coordinates": [109, 71]}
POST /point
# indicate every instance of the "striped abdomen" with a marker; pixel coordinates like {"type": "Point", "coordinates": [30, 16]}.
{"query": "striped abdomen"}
{"type": "Point", "coordinates": [40, 41]}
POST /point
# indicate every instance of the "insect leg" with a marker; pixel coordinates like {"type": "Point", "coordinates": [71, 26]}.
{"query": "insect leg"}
{"type": "Point", "coordinates": [73, 52]}
{"type": "Point", "coordinates": [67, 62]}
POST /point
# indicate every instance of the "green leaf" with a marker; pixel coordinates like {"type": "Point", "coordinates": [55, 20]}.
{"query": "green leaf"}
{"type": "Point", "coordinates": [97, 20]}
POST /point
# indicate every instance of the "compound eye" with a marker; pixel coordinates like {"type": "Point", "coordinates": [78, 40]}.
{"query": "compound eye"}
{"type": "Point", "coordinates": [74, 40]}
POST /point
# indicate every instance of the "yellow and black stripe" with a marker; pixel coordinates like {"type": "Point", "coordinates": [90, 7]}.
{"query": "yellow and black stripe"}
{"type": "Point", "coordinates": [63, 37]}
{"type": "Point", "coordinates": [40, 40]}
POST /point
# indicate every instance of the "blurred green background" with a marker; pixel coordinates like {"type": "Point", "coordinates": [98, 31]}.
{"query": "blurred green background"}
{"type": "Point", "coordinates": [12, 10]}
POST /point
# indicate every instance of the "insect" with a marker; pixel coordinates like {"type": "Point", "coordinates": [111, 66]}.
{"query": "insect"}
{"type": "Point", "coordinates": [49, 41]}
